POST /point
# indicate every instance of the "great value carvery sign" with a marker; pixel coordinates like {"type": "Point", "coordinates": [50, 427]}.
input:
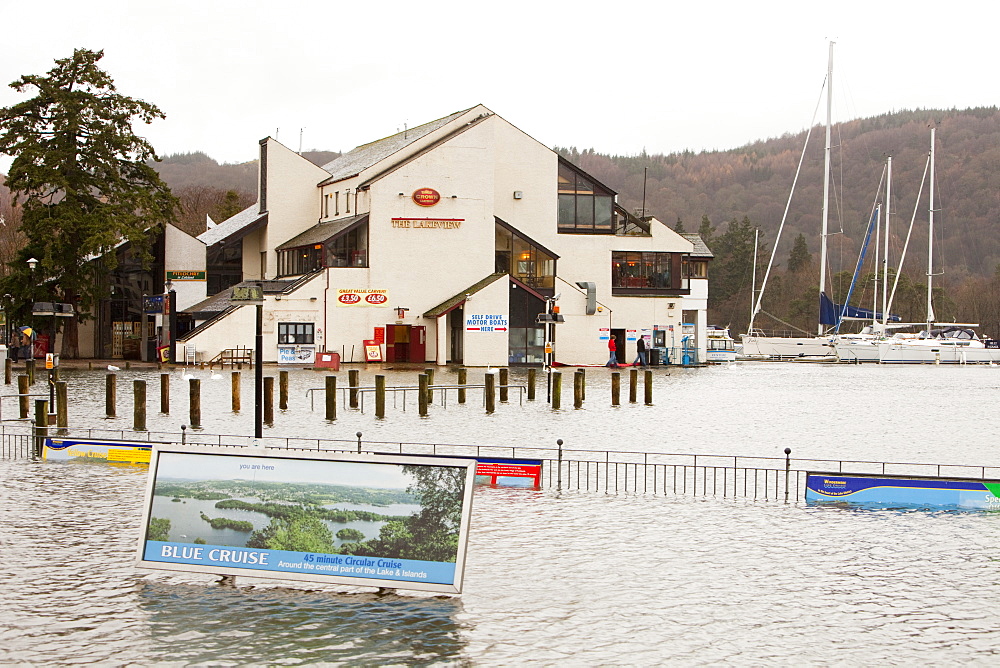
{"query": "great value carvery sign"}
{"type": "Point", "coordinates": [362, 297]}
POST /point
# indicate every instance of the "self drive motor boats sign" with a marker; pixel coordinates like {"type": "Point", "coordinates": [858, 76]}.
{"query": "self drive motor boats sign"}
{"type": "Point", "coordinates": [358, 519]}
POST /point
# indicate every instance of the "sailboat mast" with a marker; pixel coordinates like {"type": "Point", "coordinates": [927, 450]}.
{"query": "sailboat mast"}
{"type": "Point", "coordinates": [753, 280]}
{"type": "Point", "coordinates": [885, 256]}
{"type": "Point", "coordinates": [826, 180]}
{"type": "Point", "coordinates": [930, 243]}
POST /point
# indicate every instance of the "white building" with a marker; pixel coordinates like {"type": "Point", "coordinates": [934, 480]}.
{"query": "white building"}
{"type": "Point", "coordinates": [443, 244]}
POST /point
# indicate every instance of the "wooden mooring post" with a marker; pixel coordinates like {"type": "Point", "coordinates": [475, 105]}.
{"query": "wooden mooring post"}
{"type": "Point", "coordinates": [556, 389]}
{"type": "Point", "coordinates": [430, 382]}
{"type": "Point", "coordinates": [616, 388]}
{"type": "Point", "coordinates": [194, 402]}
{"type": "Point", "coordinates": [463, 379]}
{"type": "Point", "coordinates": [380, 396]}
{"type": "Point", "coordinates": [139, 405]}
{"type": "Point", "coordinates": [532, 374]}
{"type": "Point", "coordinates": [491, 392]}
{"type": "Point", "coordinates": [422, 393]}
{"type": "Point", "coordinates": [29, 368]}
{"type": "Point", "coordinates": [236, 385]}
{"type": "Point", "coordinates": [41, 425]}
{"type": "Point", "coordinates": [504, 376]}
{"type": "Point", "coordinates": [283, 390]}
{"type": "Point", "coordinates": [165, 393]}
{"type": "Point", "coordinates": [269, 400]}
{"type": "Point", "coordinates": [110, 395]}
{"type": "Point", "coordinates": [578, 389]}
{"type": "Point", "coordinates": [24, 403]}
{"type": "Point", "coordinates": [8, 370]}
{"type": "Point", "coordinates": [62, 406]}
{"type": "Point", "coordinates": [648, 387]}
{"type": "Point", "coordinates": [352, 383]}
{"type": "Point", "coordinates": [633, 385]}
{"type": "Point", "coordinates": [331, 397]}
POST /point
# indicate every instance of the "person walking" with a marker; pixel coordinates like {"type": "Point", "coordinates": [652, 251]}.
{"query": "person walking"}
{"type": "Point", "coordinates": [613, 349]}
{"type": "Point", "coordinates": [640, 358]}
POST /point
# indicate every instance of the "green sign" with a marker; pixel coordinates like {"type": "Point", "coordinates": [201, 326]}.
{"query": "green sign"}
{"type": "Point", "coordinates": [185, 275]}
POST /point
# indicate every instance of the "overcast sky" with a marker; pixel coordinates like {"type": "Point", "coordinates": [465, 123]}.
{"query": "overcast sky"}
{"type": "Point", "coordinates": [618, 76]}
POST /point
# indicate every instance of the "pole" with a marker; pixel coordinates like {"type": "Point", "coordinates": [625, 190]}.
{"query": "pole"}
{"type": "Point", "coordinates": [258, 431]}
{"type": "Point", "coordinates": [826, 181]}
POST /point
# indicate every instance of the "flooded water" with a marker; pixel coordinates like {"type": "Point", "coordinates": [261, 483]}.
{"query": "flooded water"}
{"type": "Point", "coordinates": [552, 578]}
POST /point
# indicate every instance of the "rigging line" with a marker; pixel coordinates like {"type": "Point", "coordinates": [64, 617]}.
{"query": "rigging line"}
{"type": "Point", "coordinates": [788, 204]}
{"type": "Point", "coordinates": [920, 192]}
{"type": "Point", "coordinates": [787, 324]}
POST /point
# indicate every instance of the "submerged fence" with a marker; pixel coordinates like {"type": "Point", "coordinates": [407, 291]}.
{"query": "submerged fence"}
{"type": "Point", "coordinates": [604, 471]}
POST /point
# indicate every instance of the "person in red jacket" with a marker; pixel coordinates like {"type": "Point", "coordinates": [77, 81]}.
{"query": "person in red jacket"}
{"type": "Point", "coordinates": [613, 349]}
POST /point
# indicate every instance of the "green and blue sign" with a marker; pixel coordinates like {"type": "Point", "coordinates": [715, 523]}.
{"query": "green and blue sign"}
{"type": "Point", "coordinates": [904, 491]}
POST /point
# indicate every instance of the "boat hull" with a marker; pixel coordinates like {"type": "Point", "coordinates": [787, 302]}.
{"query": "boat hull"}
{"type": "Point", "coordinates": [945, 353]}
{"type": "Point", "coordinates": [779, 348]}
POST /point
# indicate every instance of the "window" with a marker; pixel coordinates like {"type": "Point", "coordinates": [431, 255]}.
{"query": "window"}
{"type": "Point", "coordinates": [695, 268]}
{"type": "Point", "coordinates": [527, 262]}
{"type": "Point", "coordinates": [641, 272]}
{"type": "Point", "coordinates": [347, 249]}
{"type": "Point", "coordinates": [584, 206]}
{"type": "Point", "coordinates": [225, 266]}
{"type": "Point", "coordinates": [295, 332]}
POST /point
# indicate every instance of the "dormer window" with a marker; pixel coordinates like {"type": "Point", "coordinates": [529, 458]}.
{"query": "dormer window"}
{"type": "Point", "coordinates": [585, 206]}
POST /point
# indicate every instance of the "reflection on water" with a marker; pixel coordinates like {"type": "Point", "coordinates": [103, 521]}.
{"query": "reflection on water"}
{"type": "Point", "coordinates": [578, 578]}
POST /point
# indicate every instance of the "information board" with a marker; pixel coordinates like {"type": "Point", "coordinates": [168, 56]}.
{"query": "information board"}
{"type": "Point", "coordinates": [903, 491]}
{"type": "Point", "coordinates": [358, 519]}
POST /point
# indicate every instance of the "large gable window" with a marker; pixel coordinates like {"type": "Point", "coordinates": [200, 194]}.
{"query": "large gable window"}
{"type": "Point", "coordinates": [585, 206]}
{"type": "Point", "coordinates": [644, 272]}
{"type": "Point", "coordinates": [524, 259]}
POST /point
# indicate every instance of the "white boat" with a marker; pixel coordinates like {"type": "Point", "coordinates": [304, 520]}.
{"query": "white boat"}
{"type": "Point", "coordinates": [721, 348]}
{"type": "Point", "coordinates": [756, 343]}
{"type": "Point", "coordinates": [938, 343]}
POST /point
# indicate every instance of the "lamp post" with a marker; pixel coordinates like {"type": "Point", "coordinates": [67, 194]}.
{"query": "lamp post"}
{"type": "Point", "coordinates": [32, 263]}
{"type": "Point", "coordinates": [169, 317]}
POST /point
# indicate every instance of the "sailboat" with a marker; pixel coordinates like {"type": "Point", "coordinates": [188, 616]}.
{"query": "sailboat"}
{"type": "Point", "coordinates": [758, 345]}
{"type": "Point", "coordinates": [939, 343]}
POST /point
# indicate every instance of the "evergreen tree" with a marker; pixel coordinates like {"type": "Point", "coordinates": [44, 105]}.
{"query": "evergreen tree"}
{"type": "Point", "coordinates": [706, 230]}
{"type": "Point", "coordinates": [679, 227]}
{"type": "Point", "coordinates": [82, 177]}
{"type": "Point", "coordinates": [800, 257]}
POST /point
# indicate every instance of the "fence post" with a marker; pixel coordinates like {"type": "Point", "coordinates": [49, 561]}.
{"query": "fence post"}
{"type": "Point", "coordinates": [788, 468]}
{"type": "Point", "coordinates": [331, 397]}
{"type": "Point", "coordinates": [359, 442]}
{"type": "Point", "coordinates": [559, 442]}
{"type": "Point", "coordinates": [110, 394]}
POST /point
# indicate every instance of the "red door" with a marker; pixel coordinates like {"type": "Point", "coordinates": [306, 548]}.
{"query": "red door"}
{"type": "Point", "coordinates": [418, 344]}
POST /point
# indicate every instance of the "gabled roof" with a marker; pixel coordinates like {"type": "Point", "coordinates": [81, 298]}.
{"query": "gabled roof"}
{"type": "Point", "coordinates": [323, 232]}
{"type": "Point", "coordinates": [459, 299]}
{"type": "Point", "coordinates": [701, 249]}
{"type": "Point", "coordinates": [362, 157]}
{"type": "Point", "coordinates": [235, 227]}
